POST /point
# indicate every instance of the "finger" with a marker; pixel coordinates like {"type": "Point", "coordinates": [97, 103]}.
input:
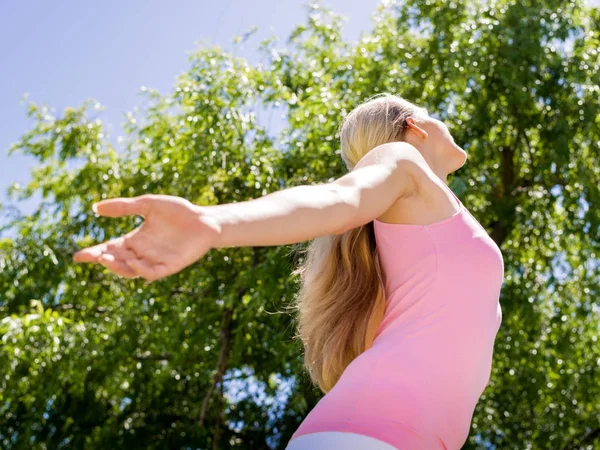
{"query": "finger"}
{"type": "Point", "coordinates": [146, 269]}
{"type": "Point", "coordinates": [117, 247]}
{"type": "Point", "coordinates": [118, 207]}
{"type": "Point", "coordinates": [90, 254]}
{"type": "Point", "coordinates": [117, 266]}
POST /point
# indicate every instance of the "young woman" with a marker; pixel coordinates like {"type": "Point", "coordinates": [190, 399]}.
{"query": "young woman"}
{"type": "Point", "coordinates": [399, 303]}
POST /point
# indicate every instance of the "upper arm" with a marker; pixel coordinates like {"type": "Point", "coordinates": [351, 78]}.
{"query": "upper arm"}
{"type": "Point", "coordinates": [384, 175]}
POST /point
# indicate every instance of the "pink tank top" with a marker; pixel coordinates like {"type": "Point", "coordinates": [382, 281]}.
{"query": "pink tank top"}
{"type": "Point", "coordinates": [418, 384]}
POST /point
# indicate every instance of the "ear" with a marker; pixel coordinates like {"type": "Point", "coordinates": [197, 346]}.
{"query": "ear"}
{"type": "Point", "coordinates": [412, 125]}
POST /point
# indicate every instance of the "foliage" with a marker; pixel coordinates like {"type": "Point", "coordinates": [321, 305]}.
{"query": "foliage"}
{"type": "Point", "coordinates": [206, 358]}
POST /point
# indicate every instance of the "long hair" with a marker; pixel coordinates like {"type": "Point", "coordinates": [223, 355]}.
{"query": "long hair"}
{"type": "Point", "coordinates": [341, 300]}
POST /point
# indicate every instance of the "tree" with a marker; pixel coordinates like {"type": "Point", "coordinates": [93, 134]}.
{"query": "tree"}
{"type": "Point", "coordinates": [206, 358]}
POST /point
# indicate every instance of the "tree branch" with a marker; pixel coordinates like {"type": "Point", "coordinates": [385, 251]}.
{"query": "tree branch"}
{"type": "Point", "coordinates": [223, 360]}
{"type": "Point", "coordinates": [225, 345]}
{"type": "Point", "coordinates": [500, 228]}
{"type": "Point", "coordinates": [217, 432]}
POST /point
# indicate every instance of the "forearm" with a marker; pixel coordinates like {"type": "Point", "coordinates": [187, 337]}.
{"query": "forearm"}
{"type": "Point", "coordinates": [285, 217]}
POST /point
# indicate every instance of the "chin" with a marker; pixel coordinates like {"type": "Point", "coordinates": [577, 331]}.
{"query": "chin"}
{"type": "Point", "coordinates": [463, 157]}
{"type": "Point", "coordinates": [459, 158]}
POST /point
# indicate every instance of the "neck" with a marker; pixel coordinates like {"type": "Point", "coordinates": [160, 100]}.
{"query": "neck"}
{"type": "Point", "coordinates": [428, 156]}
{"type": "Point", "coordinates": [441, 174]}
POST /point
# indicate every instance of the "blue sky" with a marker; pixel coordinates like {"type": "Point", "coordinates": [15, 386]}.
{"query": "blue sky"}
{"type": "Point", "coordinates": [66, 51]}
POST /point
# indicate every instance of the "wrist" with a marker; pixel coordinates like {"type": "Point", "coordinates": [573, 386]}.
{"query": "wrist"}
{"type": "Point", "coordinates": [210, 225]}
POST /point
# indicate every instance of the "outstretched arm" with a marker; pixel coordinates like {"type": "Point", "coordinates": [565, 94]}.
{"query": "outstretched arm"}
{"type": "Point", "coordinates": [176, 233]}
{"type": "Point", "coordinates": [305, 212]}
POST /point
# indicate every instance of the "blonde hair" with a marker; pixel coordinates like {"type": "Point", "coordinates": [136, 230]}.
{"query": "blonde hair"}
{"type": "Point", "coordinates": [341, 300]}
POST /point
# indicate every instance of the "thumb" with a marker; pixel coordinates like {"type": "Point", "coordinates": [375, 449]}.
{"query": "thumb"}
{"type": "Point", "coordinates": [118, 207]}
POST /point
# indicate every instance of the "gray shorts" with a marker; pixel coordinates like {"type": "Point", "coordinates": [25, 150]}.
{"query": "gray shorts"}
{"type": "Point", "coordinates": [328, 440]}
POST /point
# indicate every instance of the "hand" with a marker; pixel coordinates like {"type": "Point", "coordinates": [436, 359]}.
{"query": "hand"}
{"type": "Point", "coordinates": [175, 234]}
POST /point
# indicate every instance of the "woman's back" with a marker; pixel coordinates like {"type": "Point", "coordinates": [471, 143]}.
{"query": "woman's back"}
{"type": "Point", "coordinates": [431, 358]}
